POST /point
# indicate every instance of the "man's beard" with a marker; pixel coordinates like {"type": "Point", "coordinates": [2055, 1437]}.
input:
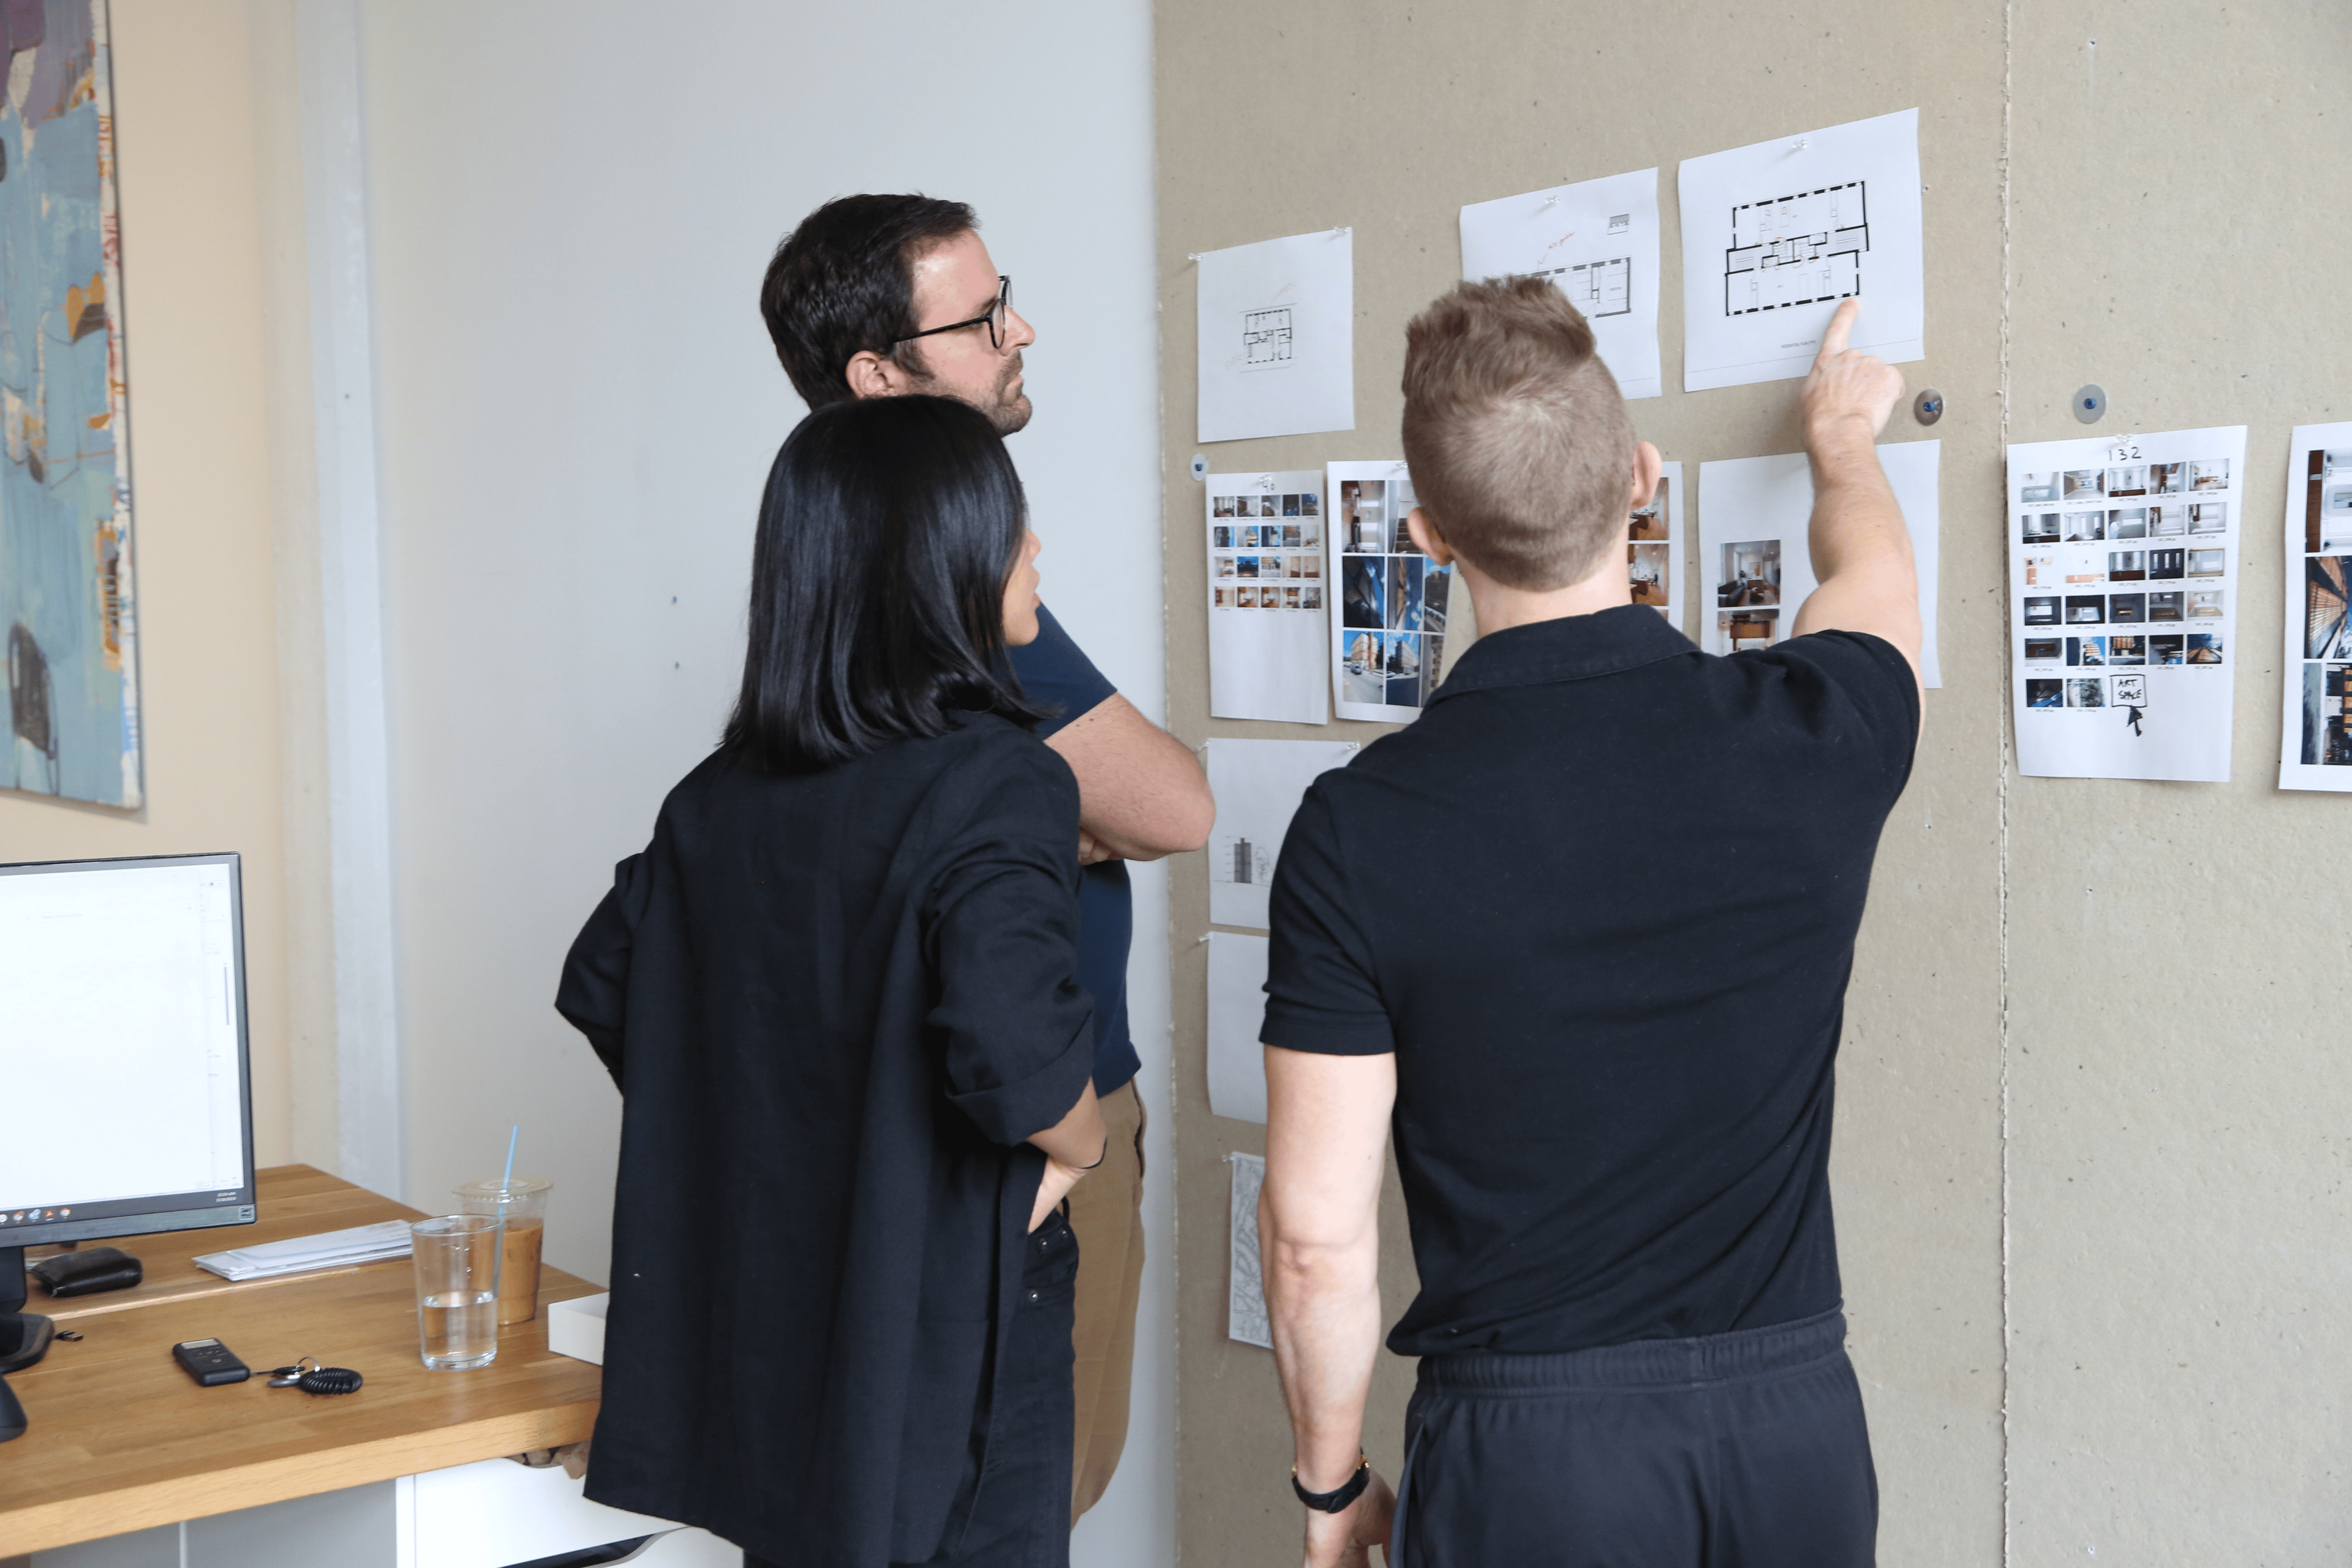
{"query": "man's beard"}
{"type": "Point", "coordinates": [1007, 410]}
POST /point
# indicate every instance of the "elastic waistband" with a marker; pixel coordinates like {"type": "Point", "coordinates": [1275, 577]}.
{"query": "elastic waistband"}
{"type": "Point", "coordinates": [1710, 1358]}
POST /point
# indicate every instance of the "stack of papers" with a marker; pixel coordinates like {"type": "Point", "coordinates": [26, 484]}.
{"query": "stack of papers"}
{"type": "Point", "coordinates": [335, 1249]}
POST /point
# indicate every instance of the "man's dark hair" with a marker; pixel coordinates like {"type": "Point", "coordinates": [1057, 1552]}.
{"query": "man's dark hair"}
{"type": "Point", "coordinates": [843, 283]}
{"type": "Point", "coordinates": [887, 532]}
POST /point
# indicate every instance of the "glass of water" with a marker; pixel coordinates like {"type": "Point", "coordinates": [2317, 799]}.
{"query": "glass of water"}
{"type": "Point", "coordinates": [456, 1259]}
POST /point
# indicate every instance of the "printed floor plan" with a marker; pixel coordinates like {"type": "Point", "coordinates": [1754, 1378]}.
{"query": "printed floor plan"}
{"type": "Point", "coordinates": [1797, 250]}
{"type": "Point", "coordinates": [1596, 288]}
{"type": "Point", "coordinates": [1266, 338]}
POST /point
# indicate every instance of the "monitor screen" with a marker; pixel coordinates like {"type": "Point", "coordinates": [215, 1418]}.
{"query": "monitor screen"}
{"type": "Point", "coordinates": [122, 1049]}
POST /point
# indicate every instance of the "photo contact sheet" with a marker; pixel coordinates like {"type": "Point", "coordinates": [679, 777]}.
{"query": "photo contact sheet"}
{"type": "Point", "coordinates": [2123, 575]}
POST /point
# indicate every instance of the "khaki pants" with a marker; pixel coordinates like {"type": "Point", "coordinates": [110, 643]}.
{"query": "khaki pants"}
{"type": "Point", "coordinates": [1107, 1213]}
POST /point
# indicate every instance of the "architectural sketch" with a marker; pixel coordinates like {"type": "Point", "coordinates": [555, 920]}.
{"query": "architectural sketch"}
{"type": "Point", "coordinates": [1241, 861]}
{"type": "Point", "coordinates": [1247, 1319]}
{"type": "Point", "coordinates": [1596, 288]}
{"type": "Point", "coordinates": [1266, 338]}
{"type": "Point", "coordinates": [1800, 249]}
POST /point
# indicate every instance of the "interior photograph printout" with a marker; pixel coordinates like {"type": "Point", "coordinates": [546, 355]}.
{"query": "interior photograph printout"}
{"type": "Point", "coordinates": [1246, 1319]}
{"type": "Point", "coordinates": [1277, 337]}
{"type": "Point", "coordinates": [2316, 750]}
{"type": "Point", "coordinates": [1257, 786]}
{"type": "Point", "coordinates": [1598, 241]}
{"type": "Point", "coordinates": [1267, 597]}
{"type": "Point", "coordinates": [1774, 236]}
{"type": "Point", "coordinates": [1388, 641]}
{"type": "Point", "coordinates": [2123, 575]}
{"type": "Point", "coordinates": [1654, 548]}
{"type": "Point", "coordinates": [1236, 1018]}
{"type": "Point", "coordinates": [1756, 566]}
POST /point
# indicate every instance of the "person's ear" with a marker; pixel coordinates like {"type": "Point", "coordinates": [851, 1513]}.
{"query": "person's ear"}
{"type": "Point", "coordinates": [870, 375]}
{"type": "Point", "coordinates": [1427, 539]}
{"type": "Point", "coordinates": [1648, 469]}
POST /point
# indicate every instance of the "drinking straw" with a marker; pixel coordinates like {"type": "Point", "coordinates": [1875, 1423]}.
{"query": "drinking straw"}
{"type": "Point", "coordinates": [506, 1183]}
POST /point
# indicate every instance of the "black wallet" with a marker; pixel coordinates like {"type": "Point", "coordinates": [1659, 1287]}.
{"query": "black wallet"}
{"type": "Point", "coordinates": [87, 1273]}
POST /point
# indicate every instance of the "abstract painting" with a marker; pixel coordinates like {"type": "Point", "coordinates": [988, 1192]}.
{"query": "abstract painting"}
{"type": "Point", "coordinates": [65, 602]}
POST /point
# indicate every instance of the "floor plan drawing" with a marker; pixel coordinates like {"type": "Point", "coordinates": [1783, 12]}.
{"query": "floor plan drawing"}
{"type": "Point", "coordinates": [1266, 338]}
{"type": "Point", "coordinates": [1596, 288]}
{"type": "Point", "coordinates": [1596, 242]}
{"type": "Point", "coordinates": [1800, 249]}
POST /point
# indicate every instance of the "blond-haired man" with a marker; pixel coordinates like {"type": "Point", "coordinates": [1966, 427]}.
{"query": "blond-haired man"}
{"type": "Point", "coordinates": [1582, 936]}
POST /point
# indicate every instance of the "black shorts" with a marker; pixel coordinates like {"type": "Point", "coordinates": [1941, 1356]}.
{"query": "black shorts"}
{"type": "Point", "coordinates": [1742, 1451]}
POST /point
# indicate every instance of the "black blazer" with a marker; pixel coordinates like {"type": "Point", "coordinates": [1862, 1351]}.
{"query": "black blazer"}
{"type": "Point", "coordinates": [835, 1004]}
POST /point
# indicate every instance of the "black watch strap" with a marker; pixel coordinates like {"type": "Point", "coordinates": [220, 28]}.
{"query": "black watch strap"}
{"type": "Point", "coordinates": [1335, 1502]}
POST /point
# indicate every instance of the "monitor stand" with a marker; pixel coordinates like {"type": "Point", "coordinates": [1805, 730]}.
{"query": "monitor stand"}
{"type": "Point", "coordinates": [24, 1336]}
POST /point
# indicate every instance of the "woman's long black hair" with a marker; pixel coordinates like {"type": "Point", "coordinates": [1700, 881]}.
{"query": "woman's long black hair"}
{"type": "Point", "coordinates": [887, 532]}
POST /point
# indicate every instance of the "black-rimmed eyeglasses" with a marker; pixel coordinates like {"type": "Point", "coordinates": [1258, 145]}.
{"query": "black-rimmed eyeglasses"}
{"type": "Point", "coordinates": [998, 314]}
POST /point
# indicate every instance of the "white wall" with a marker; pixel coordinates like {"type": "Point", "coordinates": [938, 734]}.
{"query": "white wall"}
{"type": "Point", "coordinates": [571, 203]}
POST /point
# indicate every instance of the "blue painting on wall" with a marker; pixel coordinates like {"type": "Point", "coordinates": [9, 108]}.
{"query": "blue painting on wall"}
{"type": "Point", "coordinates": [65, 602]}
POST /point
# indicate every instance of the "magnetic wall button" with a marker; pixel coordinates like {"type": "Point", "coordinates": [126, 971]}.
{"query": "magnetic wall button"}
{"type": "Point", "coordinates": [1928, 407]}
{"type": "Point", "coordinates": [2090, 402]}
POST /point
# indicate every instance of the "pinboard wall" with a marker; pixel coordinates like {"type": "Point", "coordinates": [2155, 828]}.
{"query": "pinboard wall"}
{"type": "Point", "coordinates": [2090, 1142]}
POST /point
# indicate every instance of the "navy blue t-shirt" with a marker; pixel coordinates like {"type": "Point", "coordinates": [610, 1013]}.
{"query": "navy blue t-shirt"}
{"type": "Point", "coordinates": [1054, 673]}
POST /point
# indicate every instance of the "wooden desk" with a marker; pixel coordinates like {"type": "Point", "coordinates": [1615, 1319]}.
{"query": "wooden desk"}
{"type": "Point", "coordinates": [119, 1438]}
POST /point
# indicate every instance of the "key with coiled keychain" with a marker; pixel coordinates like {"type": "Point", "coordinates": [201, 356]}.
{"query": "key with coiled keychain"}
{"type": "Point", "coordinates": [308, 1376]}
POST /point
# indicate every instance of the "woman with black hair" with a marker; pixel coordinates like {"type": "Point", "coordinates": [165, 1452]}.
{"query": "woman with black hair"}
{"type": "Point", "coordinates": [835, 990]}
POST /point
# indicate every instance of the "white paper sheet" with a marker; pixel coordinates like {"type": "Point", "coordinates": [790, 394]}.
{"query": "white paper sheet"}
{"type": "Point", "coordinates": [1277, 337]}
{"type": "Point", "coordinates": [1246, 1315]}
{"type": "Point", "coordinates": [1775, 234]}
{"type": "Point", "coordinates": [2123, 581]}
{"type": "Point", "coordinates": [1755, 565]}
{"type": "Point", "coordinates": [1267, 597]}
{"type": "Point", "coordinates": [2315, 740]}
{"type": "Point", "coordinates": [1257, 786]}
{"type": "Point", "coordinates": [1388, 641]}
{"type": "Point", "coordinates": [1236, 1016]}
{"type": "Point", "coordinates": [1598, 240]}
{"type": "Point", "coordinates": [1654, 548]}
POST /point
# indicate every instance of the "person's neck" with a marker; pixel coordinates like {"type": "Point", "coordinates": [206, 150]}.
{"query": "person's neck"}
{"type": "Point", "coordinates": [1498, 607]}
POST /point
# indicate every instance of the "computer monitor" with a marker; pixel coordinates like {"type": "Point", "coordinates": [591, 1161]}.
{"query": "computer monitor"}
{"type": "Point", "coordinates": [123, 1057]}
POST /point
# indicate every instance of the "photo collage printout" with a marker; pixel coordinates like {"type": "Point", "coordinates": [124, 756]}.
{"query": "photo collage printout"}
{"type": "Point", "coordinates": [1267, 587]}
{"type": "Point", "coordinates": [2316, 752]}
{"type": "Point", "coordinates": [2123, 581]}
{"type": "Point", "coordinates": [1388, 641]}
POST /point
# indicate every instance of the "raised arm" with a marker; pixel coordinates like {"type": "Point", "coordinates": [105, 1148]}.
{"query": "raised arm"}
{"type": "Point", "coordinates": [1318, 1242]}
{"type": "Point", "coordinates": [1862, 551]}
{"type": "Point", "coordinates": [1141, 796]}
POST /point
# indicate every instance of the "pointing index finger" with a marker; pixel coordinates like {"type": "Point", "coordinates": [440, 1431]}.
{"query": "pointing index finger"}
{"type": "Point", "coordinates": [1840, 327]}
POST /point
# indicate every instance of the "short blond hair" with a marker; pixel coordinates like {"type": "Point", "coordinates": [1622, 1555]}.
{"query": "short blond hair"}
{"type": "Point", "coordinates": [1516, 433]}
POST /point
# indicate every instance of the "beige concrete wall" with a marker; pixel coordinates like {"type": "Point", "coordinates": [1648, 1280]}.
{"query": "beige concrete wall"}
{"type": "Point", "coordinates": [2179, 1106]}
{"type": "Point", "coordinates": [2146, 967]}
{"type": "Point", "coordinates": [1388, 118]}
{"type": "Point", "coordinates": [197, 323]}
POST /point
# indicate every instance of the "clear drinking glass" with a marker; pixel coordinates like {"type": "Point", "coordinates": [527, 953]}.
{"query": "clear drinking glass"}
{"type": "Point", "coordinates": [456, 1259]}
{"type": "Point", "coordinates": [523, 1204]}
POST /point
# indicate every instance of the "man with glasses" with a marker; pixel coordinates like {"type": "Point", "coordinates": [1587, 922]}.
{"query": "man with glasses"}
{"type": "Point", "coordinates": [875, 296]}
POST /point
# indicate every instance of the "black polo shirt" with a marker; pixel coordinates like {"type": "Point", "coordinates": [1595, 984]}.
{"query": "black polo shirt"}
{"type": "Point", "coordinates": [1601, 901]}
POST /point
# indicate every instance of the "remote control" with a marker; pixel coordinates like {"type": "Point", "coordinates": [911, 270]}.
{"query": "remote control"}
{"type": "Point", "coordinates": [209, 1361]}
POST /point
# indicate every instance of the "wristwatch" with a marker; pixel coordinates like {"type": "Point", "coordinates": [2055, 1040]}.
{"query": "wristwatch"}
{"type": "Point", "coordinates": [1336, 1501]}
